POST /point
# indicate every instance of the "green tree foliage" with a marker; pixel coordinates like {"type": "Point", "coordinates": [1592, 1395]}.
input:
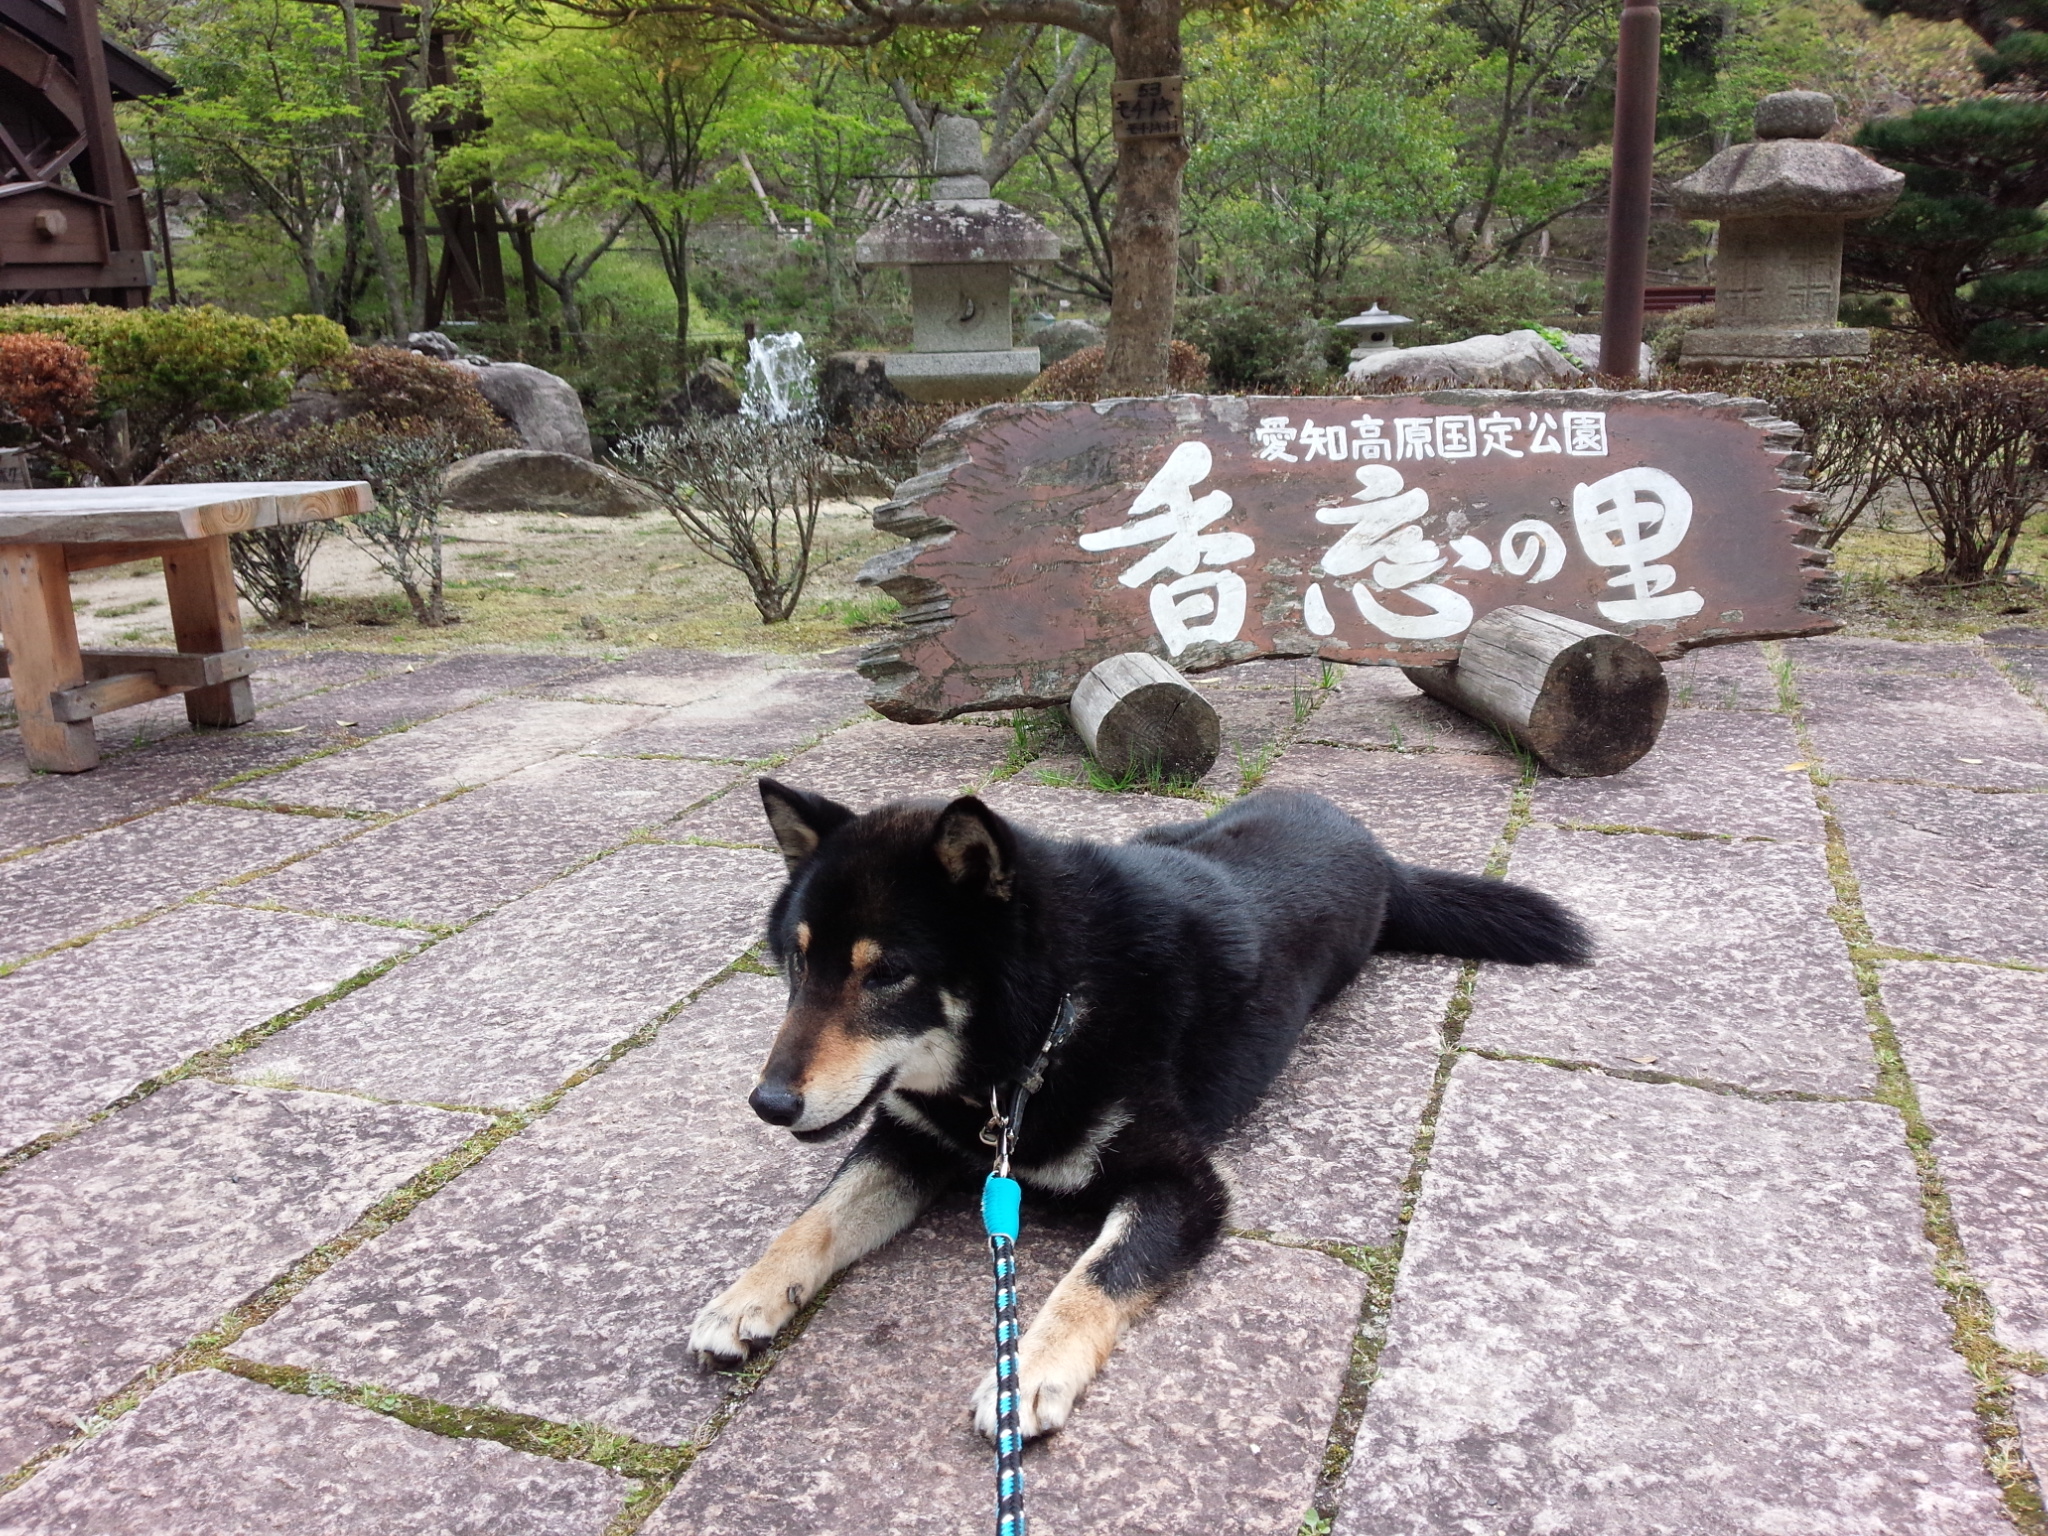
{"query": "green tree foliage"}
{"type": "Point", "coordinates": [1968, 243]}
{"type": "Point", "coordinates": [1321, 139]}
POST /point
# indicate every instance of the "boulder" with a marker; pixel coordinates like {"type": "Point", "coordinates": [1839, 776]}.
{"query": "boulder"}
{"type": "Point", "coordinates": [713, 390]}
{"type": "Point", "coordinates": [1585, 350]}
{"type": "Point", "coordinates": [852, 383]}
{"type": "Point", "coordinates": [1518, 360]}
{"type": "Point", "coordinates": [312, 405]}
{"type": "Point", "coordinates": [1063, 338]}
{"type": "Point", "coordinates": [533, 480]}
{"type": "Point", "coordinates": [541, 406]}
{"type": "Point", "coordinates": [434, 344]}
{"type": "Point", "coordinates": [846, 477]}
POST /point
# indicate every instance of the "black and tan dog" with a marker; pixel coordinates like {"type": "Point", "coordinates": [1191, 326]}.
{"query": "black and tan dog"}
{"type": "Point", "coordinates": [928, 947]}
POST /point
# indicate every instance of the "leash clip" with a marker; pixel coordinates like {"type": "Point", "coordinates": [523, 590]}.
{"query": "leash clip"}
{"type": "Point", "coordinates": [997, 1133]}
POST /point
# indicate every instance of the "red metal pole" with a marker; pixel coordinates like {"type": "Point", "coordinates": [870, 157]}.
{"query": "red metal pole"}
{"type": "Point", "coordinates": [1628, 200]}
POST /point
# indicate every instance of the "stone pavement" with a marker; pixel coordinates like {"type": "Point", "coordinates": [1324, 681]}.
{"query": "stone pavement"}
{"type": "Point", "coordinates": [375, 1089]}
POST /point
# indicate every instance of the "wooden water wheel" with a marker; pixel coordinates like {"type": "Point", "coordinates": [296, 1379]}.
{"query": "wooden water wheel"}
{"type": "Point", "coordinates": [72, 225]}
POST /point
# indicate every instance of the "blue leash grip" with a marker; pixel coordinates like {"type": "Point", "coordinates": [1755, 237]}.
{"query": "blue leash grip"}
{"type": "Point", "coordinates": [1002, 1207]}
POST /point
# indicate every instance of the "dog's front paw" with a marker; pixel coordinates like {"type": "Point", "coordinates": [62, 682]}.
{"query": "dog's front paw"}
{"type": "Point", "coordinates": [1044, 1400]}
{"type": "Point", "coordinates": [741, 1320]}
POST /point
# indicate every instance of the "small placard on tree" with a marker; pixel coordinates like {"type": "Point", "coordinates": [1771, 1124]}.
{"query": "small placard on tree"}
{"type": "Point", "coordinates": [1146, 109]}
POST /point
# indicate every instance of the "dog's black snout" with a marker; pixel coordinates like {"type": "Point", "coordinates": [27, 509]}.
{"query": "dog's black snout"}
{"type": "Point", "coordinates": [777, 1103]}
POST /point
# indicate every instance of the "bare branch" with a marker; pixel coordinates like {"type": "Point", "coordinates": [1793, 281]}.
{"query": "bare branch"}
{"type": "Point", "coordinates": [920, 120]}
{"type": "Point", "coordinates": [1007, 153]}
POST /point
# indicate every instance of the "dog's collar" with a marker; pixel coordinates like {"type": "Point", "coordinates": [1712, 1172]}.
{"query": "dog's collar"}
{"type": "Point", "coordinates": [1003, 1127]}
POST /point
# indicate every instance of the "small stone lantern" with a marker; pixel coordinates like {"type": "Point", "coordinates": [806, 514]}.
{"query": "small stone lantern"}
{"type": "Point", "coordinates": [958, 249]}
{"type": "Point", "coordinates": [1782, 201]}
{"type": "Point", "coordinates": [1376, 328]}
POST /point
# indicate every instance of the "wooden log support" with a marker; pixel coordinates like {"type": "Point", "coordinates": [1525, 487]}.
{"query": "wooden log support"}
{"type": "Point", "coordinates": [1584, 700]}
{"type": "Point", "coordinates": [42, 641]}
{"type": "Point", "coordinates": [206, 618]}
{"type": "Point", "coordinates": [117, 679]}
{"type": "Point", "coordinates": [1137, 715]}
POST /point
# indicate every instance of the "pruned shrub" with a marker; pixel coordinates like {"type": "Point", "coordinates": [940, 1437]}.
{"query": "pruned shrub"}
{"type": "Point", "coordinates": [889, 433]}
{"type": "Point", "coordinates": [403, 462]}
{"type": "Point", "coordinates": [394, 385]}
{"type": "Point", "coordinates": [1249, 345]}
{"type": "Point", "coordinates": [46, 384]}
{"type": "Point", "coordinates": [745, 492]}
{"type": "Point", "coordinates": [172, 369]}
{"type": "Point", "coordinates": [1969, 444]}
{"type": "Point", "coordinates": [1080, 376]}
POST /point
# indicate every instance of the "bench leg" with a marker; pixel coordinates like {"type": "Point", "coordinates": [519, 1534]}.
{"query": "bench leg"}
{"type": "Point", "coordinates": [42, 655]}
{"type": "Point", "coordinates": [206, 616]}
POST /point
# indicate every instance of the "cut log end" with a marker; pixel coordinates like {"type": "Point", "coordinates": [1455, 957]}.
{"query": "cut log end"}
{"type": "Point", "coordinates": [1586, 702]}
{"type": "Point", "coordinates": [1136, 715]}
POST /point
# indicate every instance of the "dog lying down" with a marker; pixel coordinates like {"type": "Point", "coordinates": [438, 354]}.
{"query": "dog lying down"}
{"type": "Point", "coordinates": [928, 947]}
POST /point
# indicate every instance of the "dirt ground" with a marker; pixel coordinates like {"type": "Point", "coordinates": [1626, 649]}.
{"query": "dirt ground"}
{"type": "Point", "coordinates": [538, 582]}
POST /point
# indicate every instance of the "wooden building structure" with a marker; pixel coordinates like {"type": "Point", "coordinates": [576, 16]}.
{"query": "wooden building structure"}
{"type": "Point", "coordinates": [72, 224]}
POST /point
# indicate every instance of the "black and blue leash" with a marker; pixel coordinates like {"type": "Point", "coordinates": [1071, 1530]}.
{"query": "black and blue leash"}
{"type": "Point", "coordinates": [1002, 1200]}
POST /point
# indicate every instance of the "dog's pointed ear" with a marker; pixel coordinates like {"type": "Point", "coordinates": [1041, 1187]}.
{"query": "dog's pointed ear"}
{"type": "Point", "coordinates": [800, 821]}
{"type": "Point", "coordinates": [976, 847]}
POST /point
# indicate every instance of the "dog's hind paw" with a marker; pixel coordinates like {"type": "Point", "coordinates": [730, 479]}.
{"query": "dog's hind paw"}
{"type": "Point", "coordinates": [1043, 1404]}
{"type": "Point", "coordinates": [735, 1325]}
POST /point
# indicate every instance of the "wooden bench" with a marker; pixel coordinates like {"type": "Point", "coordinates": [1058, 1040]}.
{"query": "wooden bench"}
{"type": "Point", "coordinates": [46, 535]}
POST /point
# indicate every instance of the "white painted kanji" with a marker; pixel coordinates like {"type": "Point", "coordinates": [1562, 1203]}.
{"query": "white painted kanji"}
{"type": "Point", "coordinates": [1200, 605]}
{"type": "Point", "coordinates": [1631, 519]}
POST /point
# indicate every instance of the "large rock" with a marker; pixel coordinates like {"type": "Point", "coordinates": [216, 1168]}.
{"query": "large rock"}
{"type": "Point", "coordinates": [530, 480]}
{"type": "Point", "coordinates": [1063, 338]}
{"type": "Point", "coordinates": [850, 384]}
{"type": "Point", "coordinates": [713, 390]}
{"type": "Point", "coordinates": [1518, 360]}
{"type": "Point", "coordinates": [541, 406]}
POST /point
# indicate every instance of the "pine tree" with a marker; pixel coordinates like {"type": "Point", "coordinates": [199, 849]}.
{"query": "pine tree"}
{"type": "Point", "coordinates": [1967, 243]}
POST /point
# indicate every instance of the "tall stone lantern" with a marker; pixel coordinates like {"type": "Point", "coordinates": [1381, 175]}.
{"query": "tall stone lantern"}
{"type": "Point", "coordinates": [958, 249]}
{"type": "Point", "coordinates": [1782, 202]}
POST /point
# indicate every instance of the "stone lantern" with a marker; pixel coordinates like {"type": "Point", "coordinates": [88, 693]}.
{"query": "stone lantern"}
{"type": "Point", "coordinates": [958, 249]}
{"type": "Point", "coordinates": [1782, 201]}
{"type": "Point", "coordinates": [1375, 329]}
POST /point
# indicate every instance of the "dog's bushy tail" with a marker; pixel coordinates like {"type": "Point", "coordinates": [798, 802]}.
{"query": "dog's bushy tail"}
{"type": "Point", "coordinates": [1437, 912]}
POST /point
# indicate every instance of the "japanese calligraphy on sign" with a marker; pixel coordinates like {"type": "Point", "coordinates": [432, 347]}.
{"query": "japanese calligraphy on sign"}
{"type": "Point", "coordinates": [1367, 529]}
{"type": "Point", "coordinates": [1146, 109]}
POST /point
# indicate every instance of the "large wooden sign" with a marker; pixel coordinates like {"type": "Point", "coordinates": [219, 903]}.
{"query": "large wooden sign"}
{"type": "Point", "coordinates": [1367, 529]}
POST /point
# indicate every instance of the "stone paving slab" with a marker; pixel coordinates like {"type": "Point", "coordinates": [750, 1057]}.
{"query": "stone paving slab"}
{"type": "Point", "coordinates": [1629, 1307]}
{"type": "Point", "coordinates": [2030, 1407]}
{"type": "Point", "coordinates": [1087, 815]}
{"type": "Point", "coordinates": [2024, 653]}
{"type": "Point", "coordinates": [561, 1277]}
{"type": "Point", "coordinates": [1723, 677]}
{"type": "Point", "coordinates": [1711, 771]}
{"type": "Point", "coordinates": [1971, 729]}
{"type": "Point", "coordinates": [1324, 1157]}
{"type": "Point", "coordinates": [1975, 1042]}
{"type": "Point", "coordinates": [454, 861]}
{"type": "Point", "coordinates": [1210, 1417]}
{"type": "Point", "coordinates": [109, 877]}
{"type": "Point", "coordinates": [664, 677]}
{"type": "Point", "coordinates": [1378, 707]}
{"type": "Point", "coordinates": [424, 688]}
{"type": "Point", "coordinates": [51, 806]}
{"type": "Point", "coordinates": [1716, 960]}
{"type": "Point", "coordinates": [209, 1454]}
{"type": "Point", "coordinates": [475, 746]}
{"type": "Point", "coordinates": [122, 1244]}
{"type": "Point", "coordinates": [864, 766]}
{"type": "Point", "coordinates": [1444, 809]}
{"type": "Point", "coordinates": [86, 1025]}
{"type": "Point", "coordinates": [763, 714]}
{"type": "Point", "coordinates": [1950, 871]}
{"type": "Point", "coordinates": [1845, 653]}
{"type": "Point", "coordinates": [506, 1010]}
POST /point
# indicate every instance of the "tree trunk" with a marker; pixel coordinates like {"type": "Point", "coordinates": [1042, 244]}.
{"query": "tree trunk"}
{"type": "Point", "coordinates": [1144, 242]}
